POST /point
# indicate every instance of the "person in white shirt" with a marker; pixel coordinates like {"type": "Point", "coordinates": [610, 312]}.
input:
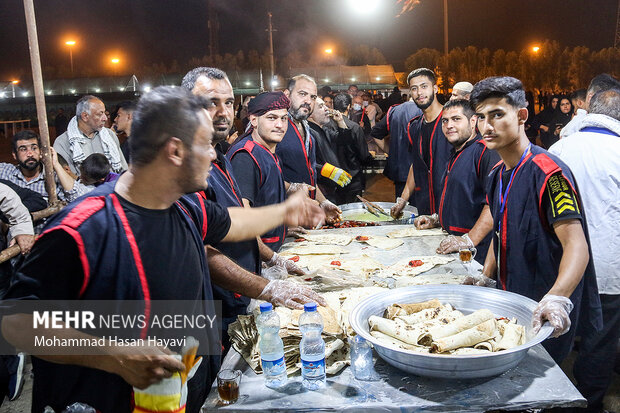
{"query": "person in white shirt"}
{"type": "Point", "coordinates": [593, 155]}
{"type": "Point", "coordinates": [87, 134]}
{"type": "Point", "coordinates": [598, 83]}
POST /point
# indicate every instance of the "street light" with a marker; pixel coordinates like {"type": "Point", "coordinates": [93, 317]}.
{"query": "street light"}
{"type": "Point", "coordinates": [71, 43]}
{"type": "Point", "coordinates": [115, 61]}
{"type": "Point", "coordinates": [535, 49]}
{"type": "Point", "coordinates": [13, 83]}
{"type": "Point", "coordinates": [329, 51]}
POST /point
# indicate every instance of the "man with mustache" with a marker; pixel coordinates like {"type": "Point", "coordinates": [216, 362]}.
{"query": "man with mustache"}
{"type": "Point", "coordinates": [430, 150]}
{"type": "Point", "coordinates": [87, 134]}
{"type": "Point", "coordinates": [28, 173]}
{"type": "Point", "coordinates": [297, 149]}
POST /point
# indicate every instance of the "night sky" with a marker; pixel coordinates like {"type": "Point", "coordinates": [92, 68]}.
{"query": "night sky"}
{"type": "Point", "coordinates": [150, 31]}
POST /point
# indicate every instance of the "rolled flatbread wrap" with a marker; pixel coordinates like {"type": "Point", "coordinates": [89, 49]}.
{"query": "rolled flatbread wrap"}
{"type": "Point", "coordinates": [406, 309]}
{"type": "Point", "coordinates": [455, 327]}
{"type": "Point", "coordinates": [385, 339]}
{"type": "Point", "coordinates": [398, 329]}
{"type": "Point", "coordinates": [513, 335]}
{"type": "Point", "coordinates": [467, 338]}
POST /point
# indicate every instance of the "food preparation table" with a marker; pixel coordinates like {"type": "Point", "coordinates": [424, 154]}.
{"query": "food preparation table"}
{"type": "Point", "coordinates": [537, 382]}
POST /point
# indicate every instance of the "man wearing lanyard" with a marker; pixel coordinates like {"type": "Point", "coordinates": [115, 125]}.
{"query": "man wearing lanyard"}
{"type": "Point", "coordinates": [463, 211]}
{"type": "Point", "coordinates": [540, 245]}
{"type": "Point", "coordinates": [430, 150]}
{"type": "Point", "coordinates": [213, 85]}
{"type": "Point", "coordinates": [297, 150]}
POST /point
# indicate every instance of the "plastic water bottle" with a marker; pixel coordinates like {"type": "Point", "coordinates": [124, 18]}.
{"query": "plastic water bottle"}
{"type": "Point", "coordinates": [312, 348]}
{"type": "Point", "coordinates": [271, 347]}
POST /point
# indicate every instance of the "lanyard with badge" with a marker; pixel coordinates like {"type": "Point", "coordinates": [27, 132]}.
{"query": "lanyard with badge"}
{"type": "Point", "coordinates": [503, 197]}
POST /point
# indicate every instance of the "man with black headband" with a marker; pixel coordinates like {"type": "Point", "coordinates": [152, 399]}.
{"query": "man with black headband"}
{"type": "Point", "coordinates": [540, 245]}
{"type": "Point", "coordinates": [254, 158]}
{"type": "Point", "coordinates": [430, 150]}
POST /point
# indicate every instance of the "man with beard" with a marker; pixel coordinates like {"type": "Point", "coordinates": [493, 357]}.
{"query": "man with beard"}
{"type": "Point", "coordinates": [430, 150]}
{"type": "Point", "coordinates": [213, 84]}
{"type": "Point", "coordinates": [329, 136]}
{"type": "Point", "coordinates": [461, 90]}
{"type": "Point", "coordinates": [28, 173]}
{"type": "Point", "coordinates": [86, 134]}
{"type": "Point", "coordinates": [142, 238]}
{"type": "Point", "coordinates": [463, 211]}
{"type": "Point", "coordinates": [395, 124]}
{"type": "Point", "coordinates": [297, 150]}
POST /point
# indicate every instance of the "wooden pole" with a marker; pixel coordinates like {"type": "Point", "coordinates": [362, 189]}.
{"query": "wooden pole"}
{"type": "Point", "coordinates": [39, 93]}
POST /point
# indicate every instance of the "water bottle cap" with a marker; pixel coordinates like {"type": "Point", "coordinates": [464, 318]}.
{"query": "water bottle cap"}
{"type": "Point", "coordinates": [310, 307]}
{"type": "Point", "coordinates": [264, 307]}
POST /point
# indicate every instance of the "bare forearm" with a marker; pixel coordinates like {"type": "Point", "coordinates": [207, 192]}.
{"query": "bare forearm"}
{"type": "Point", "coordinates": [247, 223]}
{"type": "Point", "coordinates": [409, 185]}
{"type": "Point", "coordinates": [490, 264]}
{"type": "Point", "coordinates": [264, 251]}
{"type": "Point", "coordinates": [575, 257]}
{"type": "Point", "coordinates": [229, 275]}
{"type": "Point", "coordinates": [381, 144]}
{"type": "Point", "coordinates": [65, 179]}
{"type": "Point", "coordinates": [18, 330]}
{"type": "Point", "coordinates": [483, 226]}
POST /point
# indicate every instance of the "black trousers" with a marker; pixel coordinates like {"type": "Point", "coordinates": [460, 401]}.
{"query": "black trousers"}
{"type": "Point", "coordinates": [594, 366]}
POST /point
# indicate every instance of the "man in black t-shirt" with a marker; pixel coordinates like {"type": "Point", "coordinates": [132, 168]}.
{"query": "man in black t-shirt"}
{"type": "Point", "coordinates": [140, 238]}
{"type": "Point", "coordinates": [428, 146]}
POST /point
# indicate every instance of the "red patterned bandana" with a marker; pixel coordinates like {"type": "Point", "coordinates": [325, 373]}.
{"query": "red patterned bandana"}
{"type": "Point", "coordinates": [266, 102]}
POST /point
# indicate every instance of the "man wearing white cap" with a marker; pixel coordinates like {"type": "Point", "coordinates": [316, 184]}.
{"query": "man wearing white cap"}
{"type": "Point", "coordinates": [461, 90]}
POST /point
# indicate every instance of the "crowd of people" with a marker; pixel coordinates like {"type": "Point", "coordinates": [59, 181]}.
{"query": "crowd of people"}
{"type": "Point", "coordinates": [190, 207]}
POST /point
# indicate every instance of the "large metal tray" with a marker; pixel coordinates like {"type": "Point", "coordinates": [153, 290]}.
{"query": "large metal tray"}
{"type": "Point", "coordinates": [467, 299]}
{"type": "Point", "coordinates": [349, 210]}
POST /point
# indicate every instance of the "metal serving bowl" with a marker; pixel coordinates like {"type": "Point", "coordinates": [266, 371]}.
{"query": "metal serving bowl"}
{"type": "Point", "coordinates": [467, 299]}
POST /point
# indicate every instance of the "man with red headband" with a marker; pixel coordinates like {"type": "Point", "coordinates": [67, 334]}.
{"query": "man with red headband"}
{"type": "Point", "coordinates": [254, 160]}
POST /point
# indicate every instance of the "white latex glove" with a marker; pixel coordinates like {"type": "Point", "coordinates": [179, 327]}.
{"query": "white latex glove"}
{"type": "Point", "coordinates": [480, 280]}
{"type": "Point", "coordinates": [288, 265]}
{"type": "Point", "coordinates": [289, 294]}
{"type": "Point", "coordinates": [452, 244]}
{"type": "Point", "coordinates": [556, 310]}
{"type": "Point", "coordinates": [332, 212]}
{"type": "Point", "coordinates": [426, 221]}
{"type": "Point", "coordinates": [397, 209]}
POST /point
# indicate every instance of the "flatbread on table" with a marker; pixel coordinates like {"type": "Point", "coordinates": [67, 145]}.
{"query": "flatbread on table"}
{"type": "Point", "coordinates": [412, 231]}
{"type": "Point", "coordinates": [328, 239]}
{"type": "Point", "coordinates": [384, 243]}
{"type": "Point", "coordinates": [313, 249]}
{"type": "Point", "coordinates": [409, 266]}
{"type": "Point", "coordinates": [362, 266]}
{"type": "Point", "coordinates": [426, 279]}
